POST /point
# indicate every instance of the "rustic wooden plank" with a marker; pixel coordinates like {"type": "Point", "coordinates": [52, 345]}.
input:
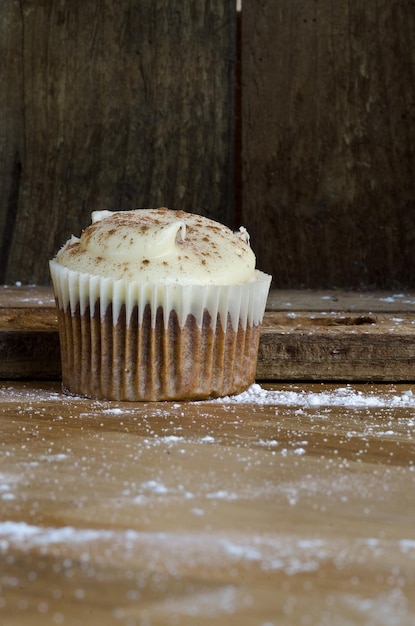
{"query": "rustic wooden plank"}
{"type": "Point", "coordinates": [337, 346]}
{"type": "Point", "coordinates": [294, 507]}
{"type": "Point", "coordinates": [114, 105]}
{"type": "Point", "coordinates": [29, 354]}
{"type": "Point", "coordinates": [306, 335]}
{"type": "Point", "coordinates": [11, 123]}
{"type": "Point", "coordinates": [337, 300]}
{"type": "Point", "coordinates": [26, 296]}
{"type": "Point", "coordinates": [28, 319]}
{"type": "Point", "coordinates": [329, 141]}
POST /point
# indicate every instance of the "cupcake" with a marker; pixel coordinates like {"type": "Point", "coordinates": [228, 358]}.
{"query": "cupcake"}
{"type": "Point", "coordinates": [158, 304]}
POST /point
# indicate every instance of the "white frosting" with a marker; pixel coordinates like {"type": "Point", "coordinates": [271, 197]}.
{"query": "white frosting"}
{"type": "Point", "coordinates": [160, 245]}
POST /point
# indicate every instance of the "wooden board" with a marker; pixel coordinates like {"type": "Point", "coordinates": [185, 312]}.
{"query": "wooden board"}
{"type": "Point", "coordinates": [329, 141]}
{"type": "Point", "coordinates": [29, 341]}
{"type": "Point", "coordinates": [293, 507]}
{"type": "Point", "coordinates": [111, 105]}
{"type": "Point", "coordinates": [306, 335]}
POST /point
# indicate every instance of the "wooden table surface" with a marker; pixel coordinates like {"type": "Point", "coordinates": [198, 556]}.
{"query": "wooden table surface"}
{"type": "Point", "coordinates": [291, 504]}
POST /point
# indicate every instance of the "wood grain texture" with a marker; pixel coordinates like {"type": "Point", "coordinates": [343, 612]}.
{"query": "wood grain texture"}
{"type": "Point", "coordinates": [328, 141]}
{"type": "Point", "coordinates": [293, 510]}
{"type": "Point", "coordinates": [306, 335]}
{"type": "Point", "coordinates": [337, 346]}
{"type": "Point", "coordinates": [113, 105]}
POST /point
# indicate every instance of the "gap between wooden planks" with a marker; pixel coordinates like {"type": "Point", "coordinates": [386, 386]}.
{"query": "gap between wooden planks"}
{"type": "Point", "coordinates": [306, 335]}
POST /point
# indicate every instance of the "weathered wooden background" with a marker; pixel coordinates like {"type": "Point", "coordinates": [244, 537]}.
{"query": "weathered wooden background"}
{"type": "Point", "coordinates": [113, 104]}
{"type": "Point", "coordinates": [329, 140]}
{"type": "Point", "coordinates": [120, 104]}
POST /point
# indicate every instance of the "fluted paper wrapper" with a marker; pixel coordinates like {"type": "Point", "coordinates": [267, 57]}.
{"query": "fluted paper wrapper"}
{"type": "Point", "coordinates": [130, 341]}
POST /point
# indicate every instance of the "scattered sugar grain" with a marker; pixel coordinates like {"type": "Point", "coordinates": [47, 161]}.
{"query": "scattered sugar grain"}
{"type": "Point", "coordinates": [340, 397]}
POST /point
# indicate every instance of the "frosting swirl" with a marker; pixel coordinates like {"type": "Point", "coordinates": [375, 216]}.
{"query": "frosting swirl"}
{"type": "Point", "coordinates": [160, 245]}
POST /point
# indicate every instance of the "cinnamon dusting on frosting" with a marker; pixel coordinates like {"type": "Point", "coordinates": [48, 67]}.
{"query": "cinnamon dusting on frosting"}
{"type": "Point", "coordinates": [160, 245]}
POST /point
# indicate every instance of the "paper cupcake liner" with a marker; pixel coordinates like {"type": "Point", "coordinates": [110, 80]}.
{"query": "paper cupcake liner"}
{"type": "Point", "coordinates": [135, 342]}
{"type": "Point", "coordinates": [245, 303]}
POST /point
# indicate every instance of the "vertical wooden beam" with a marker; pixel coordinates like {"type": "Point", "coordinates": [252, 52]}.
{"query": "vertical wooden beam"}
{"type": "Point", "coordinates": [11, 124]}
{"type": "Point", "coordinates": [329, 140]}
{"type": "Point", "coordinates": [115, 104]}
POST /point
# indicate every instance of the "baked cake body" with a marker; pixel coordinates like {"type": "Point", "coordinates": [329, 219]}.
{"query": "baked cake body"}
{"type": "Point", "coordinates": [137, 362]}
